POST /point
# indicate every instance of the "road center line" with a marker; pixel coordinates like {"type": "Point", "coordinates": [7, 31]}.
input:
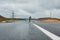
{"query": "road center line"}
{"type": "Point", "coordinates": [49, 34]}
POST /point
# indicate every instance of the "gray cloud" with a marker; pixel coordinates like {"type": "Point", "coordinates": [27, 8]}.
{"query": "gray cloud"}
{"type": "Point", "coordinates": [41, 8]}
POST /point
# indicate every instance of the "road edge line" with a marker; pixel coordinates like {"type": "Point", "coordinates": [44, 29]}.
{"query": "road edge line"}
{"type": "Point", "coordinates": [49, 34]}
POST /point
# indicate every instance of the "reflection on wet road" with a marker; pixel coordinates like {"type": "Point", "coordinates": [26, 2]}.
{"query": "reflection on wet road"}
{"type": "Point", "coordinates": [36, 34]}
{"type": "Point", "coordinates": [14, 31]}
{"type": "Point", "coordinates": [21, 30]}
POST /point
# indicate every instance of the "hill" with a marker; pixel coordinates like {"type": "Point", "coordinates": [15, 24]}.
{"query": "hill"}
{"type": "Point", "coordinates": [5, 19]}
{"type": "Point", "coordinates": [50, 20]}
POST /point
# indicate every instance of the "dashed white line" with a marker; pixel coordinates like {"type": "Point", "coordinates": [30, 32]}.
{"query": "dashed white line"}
{"type": "Point", "coordinates": [49, 34]}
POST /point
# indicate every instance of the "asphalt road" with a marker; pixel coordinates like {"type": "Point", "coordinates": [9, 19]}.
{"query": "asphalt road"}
{"type": "Point", "coordinates": [52, 27]}
{"type": "Point", "coordinates": [23, 30]}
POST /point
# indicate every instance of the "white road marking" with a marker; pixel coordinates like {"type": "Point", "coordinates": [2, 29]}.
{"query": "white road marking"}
{"type": "Point", "coordinates": [49, 34]}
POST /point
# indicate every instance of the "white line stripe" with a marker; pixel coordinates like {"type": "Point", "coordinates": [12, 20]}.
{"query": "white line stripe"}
{"type": "Point", "coordinates": [49, 34]}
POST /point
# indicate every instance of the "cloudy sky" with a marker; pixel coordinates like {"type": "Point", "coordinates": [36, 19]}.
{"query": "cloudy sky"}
{"type": "Point", "coordinates": [34, 8]}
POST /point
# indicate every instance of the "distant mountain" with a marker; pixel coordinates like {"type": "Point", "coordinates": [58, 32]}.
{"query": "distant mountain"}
{"type": "Point", "coordinates": [2, 18]}
{"type": "Point", "coordinates": [48, 18]}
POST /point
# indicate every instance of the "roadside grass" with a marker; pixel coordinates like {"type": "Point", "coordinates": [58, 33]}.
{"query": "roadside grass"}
{"type": "Point", "coordinates": [50, 20]}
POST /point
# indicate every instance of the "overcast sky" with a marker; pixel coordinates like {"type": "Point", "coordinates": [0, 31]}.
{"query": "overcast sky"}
{"type": "Point", "coordinates": [26, 8]}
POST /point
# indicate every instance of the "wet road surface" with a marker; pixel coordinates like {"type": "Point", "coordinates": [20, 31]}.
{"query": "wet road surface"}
{"type": "Point", "coordinates": [52, 27]}
{"type": "Point", "coordinates": [23, 30]}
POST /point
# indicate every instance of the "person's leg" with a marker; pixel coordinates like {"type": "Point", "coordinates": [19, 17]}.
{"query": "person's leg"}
{"type": "Point", "coordinates": [29, 20]}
